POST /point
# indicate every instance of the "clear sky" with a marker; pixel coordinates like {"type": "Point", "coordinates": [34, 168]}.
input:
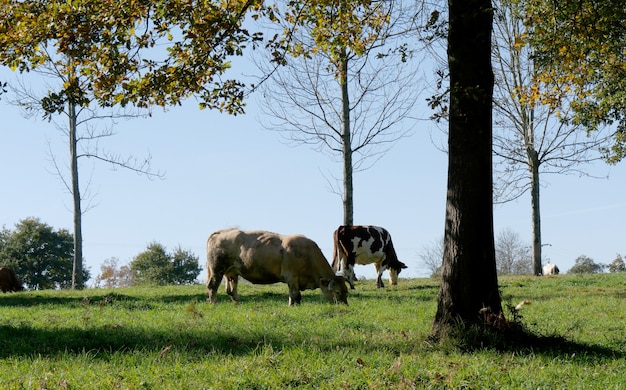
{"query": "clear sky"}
{"type": "Point", "coordinates": [223, 171]}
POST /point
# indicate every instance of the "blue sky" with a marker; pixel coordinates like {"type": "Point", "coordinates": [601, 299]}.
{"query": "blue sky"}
{"type": "Point", "coordinates": [223, 171]}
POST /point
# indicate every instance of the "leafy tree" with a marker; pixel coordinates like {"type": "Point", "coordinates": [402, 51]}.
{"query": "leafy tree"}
{"type": "Point", "coordinates": [186, 266]}
{"type": "Point", "coordinates": [512, 255]}
{"type": "Point", "coordinates": [40, 255]}
{"type": "Point", "coordinates": [579, 46]}
{"type": "Point", "coordinates": [586, 265]}
{"type": "Point", "coordinates": [534, 130]}
{"type": "Point", "coordinates": [469, 282]}
{"type": "Point", "coordinates": [113, 275]}
{"type": "Point", "coordinates": [346, 82]}
{"type": "Point", "coordinates": [617, 265]}
{"type": "Point", "coordinates": [156, 266]}
{"type": "Point", "coordinates": [138, 53]}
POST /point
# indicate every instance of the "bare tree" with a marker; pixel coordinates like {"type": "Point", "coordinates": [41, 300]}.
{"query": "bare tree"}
{"type": "Point", "coordinates": [533, 136]}
{"type": "Point", "coordinates": [512, 255]}
{"type": "Point", "coordinates": [431, 256]}
{"type": "Point", "coordinates": [113, 275]}
{"type": "Point", "coordinates": [83, 135]}
{"type": "Point", "coordinates": [349, 99]}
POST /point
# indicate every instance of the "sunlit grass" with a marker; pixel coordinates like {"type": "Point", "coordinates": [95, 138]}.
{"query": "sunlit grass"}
{"type": "Point", "coordinates": [170, 337]}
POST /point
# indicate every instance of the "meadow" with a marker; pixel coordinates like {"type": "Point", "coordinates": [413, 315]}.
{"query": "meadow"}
{"type": "Point", "coordinates": [171, 338]}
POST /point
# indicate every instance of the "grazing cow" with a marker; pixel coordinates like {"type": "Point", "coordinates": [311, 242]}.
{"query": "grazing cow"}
{"type": "Point", "coordinates": [550, 269]}
{"type": "Point", "coordinates": [264, 258]}
{"type": "Point", "coordinates": [8, 280]}
{"type": "Point", "coordinates": [365, 245]}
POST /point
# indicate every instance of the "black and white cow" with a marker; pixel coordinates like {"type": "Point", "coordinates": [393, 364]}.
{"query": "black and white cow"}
{"type": "Point", "coordinates": [365, 245]}
{"type": "Point", "coordinates": [550, 269]}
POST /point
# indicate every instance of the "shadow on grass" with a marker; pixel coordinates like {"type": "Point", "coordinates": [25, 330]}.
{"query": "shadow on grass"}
{"type": "Point", "coordinates": [520, 341]}
{"type": "Point", "coordinates": [92, 297]}
{"type": "Point", "coordinates": [24, 341]}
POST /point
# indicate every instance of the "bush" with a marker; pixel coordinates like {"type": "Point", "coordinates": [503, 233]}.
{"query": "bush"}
{"type": "Point", "coordinates": [586, 265]}
{"type": "Point", "coordinates": [156, 266]}
{"type": "Point", "coordinates": [617, 265]}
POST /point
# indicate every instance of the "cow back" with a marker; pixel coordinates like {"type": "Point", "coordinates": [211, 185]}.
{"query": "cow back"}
{"type": "Point", "coordinates": [365, 245]}
{"type": "Point", "coordinates": [255, 255]}
{"type": "Point", "coordinates": [304, 258]}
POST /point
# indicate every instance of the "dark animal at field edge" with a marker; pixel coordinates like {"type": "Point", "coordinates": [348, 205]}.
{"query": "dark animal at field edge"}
{"type": "Point", "coordinates": [263, 257]}
{"type": "Point", "coordinates": [8, 281]}
{"type": "Point", "coordinates": [365, 245]}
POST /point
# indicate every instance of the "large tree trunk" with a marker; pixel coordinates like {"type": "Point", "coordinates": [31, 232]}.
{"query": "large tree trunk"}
{"type": "Point", "coordinates": [77, 274]}
{"type": "Point", "coordinates": [469, 278]}
{"type": "Point", "coordinates": [346, 135]}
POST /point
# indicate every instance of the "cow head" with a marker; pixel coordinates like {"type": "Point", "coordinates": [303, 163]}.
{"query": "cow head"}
{"type": "Point", "coordinates": [394, 272]}
{"type": "Point", "coordinates": [335, 289]}
{"type": "Point", "coordinates": [393, 276]}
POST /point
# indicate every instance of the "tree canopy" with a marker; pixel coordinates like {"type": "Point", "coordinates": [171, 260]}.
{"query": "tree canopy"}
{"type": "Point", "coordinates": [579, 45]}
{"type": "Point", "coordinates": [141, 52]}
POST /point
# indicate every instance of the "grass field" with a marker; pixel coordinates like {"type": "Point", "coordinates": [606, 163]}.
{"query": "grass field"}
{"type": "Point", "coordinates": [171, 338]}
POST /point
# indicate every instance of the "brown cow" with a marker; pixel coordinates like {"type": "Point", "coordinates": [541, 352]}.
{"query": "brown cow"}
{"type": "Point", "coordinates": [365, 245]}
{"type": "Point", "coordinates": [8, 280]}
{"type": "Point", "coordinates": [264, 258]}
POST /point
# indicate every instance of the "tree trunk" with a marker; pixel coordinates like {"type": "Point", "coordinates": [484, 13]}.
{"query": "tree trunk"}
{"type": "Point", "coordinates": [346, 136]}
{"type": "Point", "coordinates": [536, 216]}
{"type": "Point", "coordinates": [77, 274]}
{"type": "Point", "coordinates": [469, 280]}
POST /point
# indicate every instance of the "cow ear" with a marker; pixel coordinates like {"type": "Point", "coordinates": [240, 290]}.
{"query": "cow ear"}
{"type": "Point", "coordinates": [325, 282]}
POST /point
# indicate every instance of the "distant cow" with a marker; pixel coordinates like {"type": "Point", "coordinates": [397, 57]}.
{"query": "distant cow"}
{"type": "Point", "coordinates": [8, 280]}
{"type": "Point", "coordinates": [365, 245]}
{"type": "Point", "coordinates": [264, 258]}
{"type": "Point", "coordinates": [550, 269]}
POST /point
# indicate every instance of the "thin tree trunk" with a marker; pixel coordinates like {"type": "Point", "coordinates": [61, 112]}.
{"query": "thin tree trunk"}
{"type": "Point", "coordinates": [469, 277]}
{"type": "Point", "coordinates": [346, 135]}
{"type": "Point", "coordinates": [77, 273]}
{"type": "Point", "coordinates": [536, 215]}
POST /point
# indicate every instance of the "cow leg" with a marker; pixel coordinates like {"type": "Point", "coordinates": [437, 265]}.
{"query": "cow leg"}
{"type": "Point", "coordinates": [295, 297]}
{"type": "Point", "coordinates": [212, 285]}
{"type": "Point", "coordinates": [379, 275]}
{"type": "Point", "coordinates": [349, 275]}
{"type": "Point", "coordinates": [231, 287]}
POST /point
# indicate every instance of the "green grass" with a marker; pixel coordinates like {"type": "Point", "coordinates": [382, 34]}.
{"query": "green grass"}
{"type": "Point", "coordinates": [171, 338]}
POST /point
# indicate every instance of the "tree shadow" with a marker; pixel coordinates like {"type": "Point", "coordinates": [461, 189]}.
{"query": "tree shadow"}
{"type": "Point", "coordinates": [34, 299]}
{"type": "Point", "coordinates": [555, 346]}
{"type": "Point", "coordinates": [516, 338]}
